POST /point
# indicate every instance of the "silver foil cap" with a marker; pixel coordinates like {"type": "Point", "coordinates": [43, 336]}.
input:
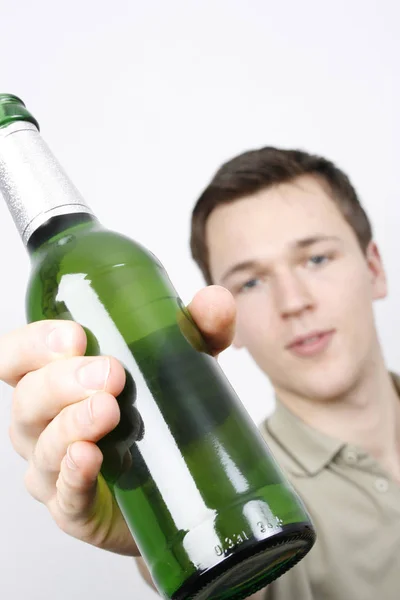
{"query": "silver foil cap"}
{"type": "Point", "coordinates": [33, 183]}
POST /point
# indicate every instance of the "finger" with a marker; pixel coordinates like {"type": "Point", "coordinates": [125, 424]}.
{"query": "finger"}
{"type": "Point", "coordinates": [214, 311]}
{"type": "Point", "coordinates": [41, 395]}
{"type": "Point", "coordinates": [76, 484]}
{"type": "Point", "coordinates": [83, 506]}
{"type": "Point", "coordinates": [89, 420]}
{"type": "Point", "coordinates": [33, 346]}
{"type": "Point", "coordinates": [89, 468]}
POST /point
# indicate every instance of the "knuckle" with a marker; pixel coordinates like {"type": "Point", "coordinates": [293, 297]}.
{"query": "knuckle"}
{"type": "Point", "coordinates": [54, 440]}
{"type": "Point", "coordinates": [13, 436]}
{"type": "Point", "coordinates": [54, 376]}
{"type": "Point", "coordinates": [16, 409]}
{"type": "Point", "coordinates": [77, 420]}
{"type": "Point", "coordinates": [66, 488]}
{"type": "Point", "coordinates": [59, 513]}
{"type": "Point", "coordinates": [16, 441]}
{"type": "Point", "coordinates": [43, 457]}
{"type": "Point", "coordinates": [31, 483]}
{"type": "Point", "coordinates": [61, 424]}
{"type": "Point", "coordinates": [58, 377]}
{"type": "Point", "coordinates": [68, 507]}
{"type": "Point", "coordinates": [21, 409]}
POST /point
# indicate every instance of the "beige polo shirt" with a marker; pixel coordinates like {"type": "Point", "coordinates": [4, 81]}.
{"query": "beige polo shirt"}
{"type": "Point", "coordinates": [355, 507]}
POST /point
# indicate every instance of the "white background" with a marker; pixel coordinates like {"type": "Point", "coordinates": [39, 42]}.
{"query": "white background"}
{"type": "Point", "coordinates": [141, 102]}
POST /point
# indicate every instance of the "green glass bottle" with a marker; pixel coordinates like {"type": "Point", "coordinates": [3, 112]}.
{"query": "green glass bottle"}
{"type": "Point", "coordinates": [208, 506]}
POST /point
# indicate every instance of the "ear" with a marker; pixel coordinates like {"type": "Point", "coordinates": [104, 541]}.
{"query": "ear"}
{"type": "Point", "coordinates": [377, 272]}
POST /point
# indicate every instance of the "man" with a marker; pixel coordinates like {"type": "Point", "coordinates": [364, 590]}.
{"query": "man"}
{"type": "Point", "coordinates": [283, 235]}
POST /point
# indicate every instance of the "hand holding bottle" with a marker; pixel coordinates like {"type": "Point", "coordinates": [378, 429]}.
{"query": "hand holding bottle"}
{"type": "Point", "coordinates": [64, 402]}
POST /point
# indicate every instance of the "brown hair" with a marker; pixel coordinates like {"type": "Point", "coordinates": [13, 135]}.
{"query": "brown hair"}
{"type": "Point", "coordinates": [255, 170]}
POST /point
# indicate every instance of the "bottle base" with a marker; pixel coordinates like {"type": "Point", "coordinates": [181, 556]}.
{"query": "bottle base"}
{"type": "Point", "coordinates": [244, 573]}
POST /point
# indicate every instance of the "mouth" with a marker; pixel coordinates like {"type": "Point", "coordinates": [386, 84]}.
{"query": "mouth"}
{"type": "Point", "coordinates": [311, 344]}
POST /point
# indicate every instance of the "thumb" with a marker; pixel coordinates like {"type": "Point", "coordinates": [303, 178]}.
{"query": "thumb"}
{"type": "Point", "coordinates": [214, 311]}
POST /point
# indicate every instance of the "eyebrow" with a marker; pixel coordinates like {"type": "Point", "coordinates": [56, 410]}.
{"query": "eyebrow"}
{"type": "Point", "coordinates": [298, 244]}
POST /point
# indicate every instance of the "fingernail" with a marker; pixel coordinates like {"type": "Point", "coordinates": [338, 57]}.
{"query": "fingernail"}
{"type": "Point", "coordinates": [60, 339]}
{"type": "Point", "coordinates": [69, 460]}
{"type": "Point", "coordinates": [94, 375]}
{"type": "Point", "coordinates": [86, 412]}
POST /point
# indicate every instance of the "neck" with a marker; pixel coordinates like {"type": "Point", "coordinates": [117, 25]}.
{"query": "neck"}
{"type": "Point", "coordinates": [57, 225]}
{"type": "Point", "coordinates": [367, 415]}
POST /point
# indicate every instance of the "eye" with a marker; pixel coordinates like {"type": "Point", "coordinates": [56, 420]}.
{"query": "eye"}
{"type": "Point", "coordinates": [250, 284]}
{"type": "Point", "coordinates": [318, 259]}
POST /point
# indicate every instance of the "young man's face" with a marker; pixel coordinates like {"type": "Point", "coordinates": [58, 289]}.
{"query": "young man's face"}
{"type": "Point", "coordinates": [296, 269]}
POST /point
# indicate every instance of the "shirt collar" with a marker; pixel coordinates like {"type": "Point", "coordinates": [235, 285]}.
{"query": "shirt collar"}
{"type": "Point", "coordinates": [309, 449]}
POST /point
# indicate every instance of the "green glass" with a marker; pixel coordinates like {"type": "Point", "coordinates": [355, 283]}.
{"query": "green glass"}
{"type": "Point", "coordinates": [209, 508]}
{"type": "Point", "coordinates": [13, 109]}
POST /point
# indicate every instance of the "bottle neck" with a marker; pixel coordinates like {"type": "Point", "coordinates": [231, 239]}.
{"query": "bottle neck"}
{"type": "Point", "coordinates": [57, 225]}
{"type": "Point", "coordinates": [34, 185]}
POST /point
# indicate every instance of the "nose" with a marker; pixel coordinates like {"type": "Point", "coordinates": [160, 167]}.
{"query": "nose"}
{"type": "Point", "coordinates": [292, 295]}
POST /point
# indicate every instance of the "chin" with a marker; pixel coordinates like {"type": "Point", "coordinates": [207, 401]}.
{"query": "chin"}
{"type": "Point", "coordinates": [328, 390]}
{"type": "Point", "coordinates": [326, 384]}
